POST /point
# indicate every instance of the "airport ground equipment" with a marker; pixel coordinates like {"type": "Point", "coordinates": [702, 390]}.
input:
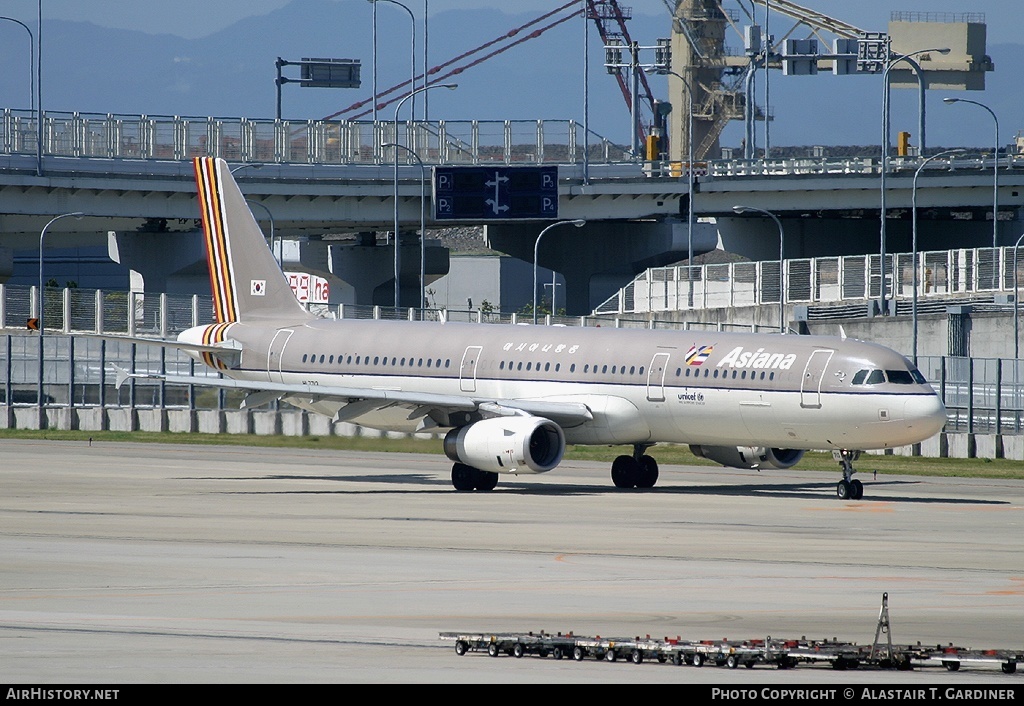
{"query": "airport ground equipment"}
{"type": "Point", "coordinates": [770, 652]}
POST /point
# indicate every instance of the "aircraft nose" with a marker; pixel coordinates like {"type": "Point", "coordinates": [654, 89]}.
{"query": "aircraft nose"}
{"type": "Point", "coordinates": [927, 413]}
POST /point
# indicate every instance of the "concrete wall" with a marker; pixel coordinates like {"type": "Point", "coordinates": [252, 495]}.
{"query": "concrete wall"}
{"type": "Point", "coordinates": [296, 423]}
{"type": "Point", "coordinates": [989, 333]}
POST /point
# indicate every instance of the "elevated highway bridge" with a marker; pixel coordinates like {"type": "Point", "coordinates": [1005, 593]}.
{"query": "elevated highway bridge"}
{"type": "Point", "coordinates": [132, 177]}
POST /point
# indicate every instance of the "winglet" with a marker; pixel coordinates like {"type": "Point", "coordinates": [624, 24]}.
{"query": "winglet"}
{"type": "Point", "coordinates": [122, 375]}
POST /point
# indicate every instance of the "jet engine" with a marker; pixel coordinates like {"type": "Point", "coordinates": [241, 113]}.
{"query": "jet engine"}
{"type": "Point", "coordinates": [749, 456]}
{"type": "Point", "coordinates": [507, 445]}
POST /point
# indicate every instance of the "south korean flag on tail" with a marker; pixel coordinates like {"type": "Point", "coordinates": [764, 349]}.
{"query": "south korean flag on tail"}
{"type": "Point", "coordinates": [258, 287]}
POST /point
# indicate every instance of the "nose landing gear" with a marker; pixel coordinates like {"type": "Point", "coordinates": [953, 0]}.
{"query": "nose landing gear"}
{"type": "Point", "coordinates": [848, 488]}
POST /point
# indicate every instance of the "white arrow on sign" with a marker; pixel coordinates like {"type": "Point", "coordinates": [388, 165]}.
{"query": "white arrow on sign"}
{"type": "Point", "coordinates": [495, 207]}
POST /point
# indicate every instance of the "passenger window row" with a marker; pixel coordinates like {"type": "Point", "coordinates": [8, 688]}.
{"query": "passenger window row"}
{"type": "Point", "coordinates": [394, 361]}
{"type": "Point", "coordinates": [736, 374]}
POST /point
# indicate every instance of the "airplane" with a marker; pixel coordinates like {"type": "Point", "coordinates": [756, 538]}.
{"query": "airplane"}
{"type": "Point", "coordinates": [511, 397]}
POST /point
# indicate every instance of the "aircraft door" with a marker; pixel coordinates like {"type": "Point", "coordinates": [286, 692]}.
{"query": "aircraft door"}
{"type": "Point", "coordinates": [814, 374]}
{"type": "Point", "coordinates": [275, 355]}
{"type": "Point", "coordinates": [656, 377]}
{"type": "Point", "coordinates": [467, 373]}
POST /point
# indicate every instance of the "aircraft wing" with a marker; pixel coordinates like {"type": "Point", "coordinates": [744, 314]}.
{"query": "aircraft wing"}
{"type": "Point", "coordinates": [357, 401]}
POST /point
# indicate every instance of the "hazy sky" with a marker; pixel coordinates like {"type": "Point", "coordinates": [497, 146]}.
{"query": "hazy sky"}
{"type": "Point", "coordinates": [196, 18]}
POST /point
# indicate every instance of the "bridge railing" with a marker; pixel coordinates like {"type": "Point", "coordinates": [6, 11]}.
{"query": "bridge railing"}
{"type": "Point", "coordinates": [982, 395]}
{"type": "Point", "coordinates": [850, 279]}
{"type": "Point", "coordinates": [113, 136]}
{"type": "Point", "coordinates": [867, 165]}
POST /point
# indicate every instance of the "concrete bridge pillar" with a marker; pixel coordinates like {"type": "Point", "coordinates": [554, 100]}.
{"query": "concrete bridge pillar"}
{"type": "Point", "coordinates": [368, 269]}
{"type": "Point", "coordinates": [172, 262]}
{"type": "Point", "coordinates": [603, 256]}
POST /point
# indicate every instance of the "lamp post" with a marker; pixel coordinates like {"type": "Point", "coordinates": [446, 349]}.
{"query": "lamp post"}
{"type": "Point", "coordinates": [259, 165]}
{"type": "Point", "coordinates": [883, 307]}
{"type": "Point", "coordinates": [412, 55]}
{"type": "Point", "coordinates": [426, 61]}
{"type": "Point", "coordinates": [270, 215]}
{"type": "Point", "coordinates": [913, 239]}
{"type": "Point", "coordinates": [423, 219]}
{"type": "Point", "coordinates": [39, 89]}
{"type": "Point", "coordinates": [782, 268]}
{"type": "Point", "coordinates": [689, 179]}
{"type": "Point", "coordinates": [42, 236]}
{"type": "Point", "coordinates": [31, 61]}
{"type": "Point", "coordinates": [579, 223]}
{"type": "Point", "coordinates": [398, 256]}
{"type": "Point", "coordinates": [1016, 323]}
{"type": "Point", "coordinates": [995, 174]}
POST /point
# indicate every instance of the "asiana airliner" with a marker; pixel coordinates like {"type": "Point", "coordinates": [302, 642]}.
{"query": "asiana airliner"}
{"type": "Point", "coordinates": [510, 397]}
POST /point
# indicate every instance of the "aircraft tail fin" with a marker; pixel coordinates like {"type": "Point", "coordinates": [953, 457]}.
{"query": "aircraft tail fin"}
{"type": "Point", "coordinates": [245, 279]}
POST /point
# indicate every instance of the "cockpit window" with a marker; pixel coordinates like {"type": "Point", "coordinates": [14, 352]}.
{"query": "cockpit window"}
{"type": "Point", "coordinates": [918, 377]}
{"type": "Point", "coordinates": [900, 377]}
{"type": "Point", "coordinates": [858, 379]}
{"type": "Point", "coordinates": [876, 377]}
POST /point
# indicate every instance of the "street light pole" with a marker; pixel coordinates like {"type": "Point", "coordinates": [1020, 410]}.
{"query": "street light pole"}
{"type": "Point", "coordinates": [913, 239]}
{"type": "Point", "coordinates": [883, 305]}
{"type": "Point", "coordinates": [423, 219]}
{"type": "Point", "coordinates": [398, 256]}
{"type": "Point", "coordinates": [412, 55]}
{"type": "Point", "coordinates": [31, 62]}
{"type": "Point", "coordinates": [426, 62]}
{"type": "Point", "coordinates": [782, 267]}
{"type": "Point", "coordinates": [42, 236]}
{"type": "Point", "coordinates": [579, 223]}
{"type": "Point", "coordinates": [689, 179]}
{"type": "Point", "coordinates": [273, 251]}
{"type": "Point", "coordinates": [995, 174]}
{"type": "Point", "coordinates": [39, 91]}
{"type": "Point", "coordinates": [1016, 323]}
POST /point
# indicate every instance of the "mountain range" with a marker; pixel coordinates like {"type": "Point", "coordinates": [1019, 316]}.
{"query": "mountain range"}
{"type": "Point", "coordinates": [231, 73]}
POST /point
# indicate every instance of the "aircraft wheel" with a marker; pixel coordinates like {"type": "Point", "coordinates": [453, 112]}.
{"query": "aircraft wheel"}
{"type": "Point", "coordinates": [486, 480]}
{"type": "Point", "coordinates": [624, 472]}
{"type": "Point", "coordinates": [463, 476]}
{"type": "Point", "coordinates": [843, 489]}
{"type": "Point", "coordinates": [648, 474]}
{"type": "Point", "coordinates": [856, 489]}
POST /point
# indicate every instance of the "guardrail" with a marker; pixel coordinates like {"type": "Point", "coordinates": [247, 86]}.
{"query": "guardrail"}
{"type": "Point", "coordinates": [852, 278]}
{"type": "Point", "coordinates": [982, 395]}
{"type": "Point", "coordinates": [160, 137]}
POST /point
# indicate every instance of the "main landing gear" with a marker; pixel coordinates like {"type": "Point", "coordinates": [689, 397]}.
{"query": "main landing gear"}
{"type": "Point", "coordinates": [468, 478]}
{"type": "Point", "coordinates": [848, 488]}
{"type": "Point", "coordinates": [636, 471]}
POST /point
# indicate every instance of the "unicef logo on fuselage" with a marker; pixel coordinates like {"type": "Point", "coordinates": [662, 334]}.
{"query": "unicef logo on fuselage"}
{"type": "Point", "coordinates": [688, 397]}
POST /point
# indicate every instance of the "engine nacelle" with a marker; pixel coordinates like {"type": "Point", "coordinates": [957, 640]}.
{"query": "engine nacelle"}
{"type": "Point", "coordinates": [507, 445]}
{"type": "Point", "coordinates": [749, 456]}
